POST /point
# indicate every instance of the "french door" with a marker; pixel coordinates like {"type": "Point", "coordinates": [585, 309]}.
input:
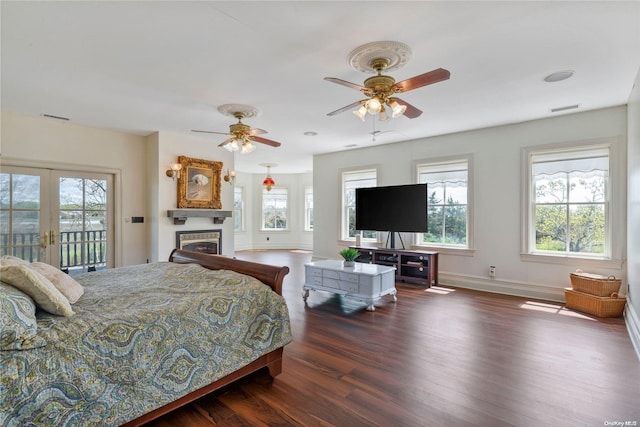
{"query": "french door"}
{"type": "Point", "coordinates": [63, 218]}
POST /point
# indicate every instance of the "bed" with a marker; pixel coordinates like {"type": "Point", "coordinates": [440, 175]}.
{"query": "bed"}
{"type": "Point", "coordinates": [146, 340]}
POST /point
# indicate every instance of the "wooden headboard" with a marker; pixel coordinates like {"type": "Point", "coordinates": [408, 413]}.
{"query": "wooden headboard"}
{"type": "Point", "coordinates": [270, 275]}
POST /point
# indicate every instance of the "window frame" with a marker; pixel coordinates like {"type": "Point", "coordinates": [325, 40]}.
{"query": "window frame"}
{"type": "Point", "coordinates": [241, 211]}
{"type": "Point", "coordinates": [615, 198]}
{"type": "Point", "coordinates": [308, 208]}
{"type": "Point", "coordinates": [467, 249]}
{"type": "Point", "coordinates": [274, 190]}
{"type": "Point", "coordinates": [344, 209]}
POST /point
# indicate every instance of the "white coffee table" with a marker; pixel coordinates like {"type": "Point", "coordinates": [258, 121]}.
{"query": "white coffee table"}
{"type": "Point", "coordinates": [362, 282]}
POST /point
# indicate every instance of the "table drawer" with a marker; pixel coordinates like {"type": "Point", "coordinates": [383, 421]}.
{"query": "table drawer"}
{"type": "Point", "coordinates": [313, 280]}
{"type": "Point", "coordinates": [331, 274]}
{"type": "Point", "coordinates": [311, 271]}
{"type": "Point", "coordinates": [330, 283]}
{"type": "Point", "coordinates": [349, 277]}
{"type": "Point", "coordinates": [349, 287]}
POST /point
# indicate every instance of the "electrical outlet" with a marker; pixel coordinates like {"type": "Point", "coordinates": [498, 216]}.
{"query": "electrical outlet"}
{"type": "Point", "coordinates": [492, 271]}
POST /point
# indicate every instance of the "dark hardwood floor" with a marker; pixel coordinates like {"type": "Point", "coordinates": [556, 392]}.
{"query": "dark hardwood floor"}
{"type": "Point", "coordinates": [437, 357]}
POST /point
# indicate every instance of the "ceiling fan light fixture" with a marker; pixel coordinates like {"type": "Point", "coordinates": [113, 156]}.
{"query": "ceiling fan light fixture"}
{"type": "Point", "coordinates": [247, 147]}
{"type": "Point", "coordinates": [373, 106]}
{"type": "Point", "coordinates": [232, 146]}
{"type": "Point", "coordinates": [383, 115]}
{"type": "Point", "coordinates": [361, 112]}
{"type": "Point", "coordinates": [396, 108]}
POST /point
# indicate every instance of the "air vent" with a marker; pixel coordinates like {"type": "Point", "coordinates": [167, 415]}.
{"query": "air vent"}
{"type": "Point", "coordinates": [568, 107]}
{"type": "Point", "coordinates": [50, 116]}
{"type": "Point", "coordinates": [350, 145]}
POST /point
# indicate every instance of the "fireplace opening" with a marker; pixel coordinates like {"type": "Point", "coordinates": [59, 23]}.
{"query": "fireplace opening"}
{"type": "Point", "coordinates": [203, 241]}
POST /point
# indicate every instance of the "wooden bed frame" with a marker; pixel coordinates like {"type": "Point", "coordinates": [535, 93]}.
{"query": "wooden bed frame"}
{"type": "Point", "coordinates": [270, 275]}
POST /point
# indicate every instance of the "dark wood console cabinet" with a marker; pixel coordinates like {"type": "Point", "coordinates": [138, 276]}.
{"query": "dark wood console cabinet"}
{"type": "Point", "coordinates": [415, 266]}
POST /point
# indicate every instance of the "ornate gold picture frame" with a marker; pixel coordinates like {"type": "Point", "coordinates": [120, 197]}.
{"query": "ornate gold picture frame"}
{"type": "Point", "coordinates": [199, 183]}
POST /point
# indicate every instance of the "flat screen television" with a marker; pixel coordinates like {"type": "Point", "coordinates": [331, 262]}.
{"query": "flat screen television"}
{"type": "Point", "coordinates": [398, 208]}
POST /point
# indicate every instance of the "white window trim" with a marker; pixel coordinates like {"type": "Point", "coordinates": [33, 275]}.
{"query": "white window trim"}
{"type": "Point", "coordinates": [277, 230]}
{"type": "Point", "coordinates": [307, 189]}
{"type": "Point", "coordinates": [467, 250]}
{"type": "Point", "coordinates": [615, 234]}
{"type": "Point", "coordinates": [242, 228]}
{"type": "Point", "coordinates": [343, 237]}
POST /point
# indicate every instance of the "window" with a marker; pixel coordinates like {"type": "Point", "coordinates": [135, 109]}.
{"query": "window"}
{"type": "Point", "coordinates": [448, 208]}
{"type": "Point", "coordinates": [274, 209]}
{"type": "Point", "coordinates": [568, 202]}
{"type": "Point", "coordinates": [308, 209]}
{"type": "Point", "coordinates": [351, 181]}
{"type": "Point", "coordinates": [238, 208]}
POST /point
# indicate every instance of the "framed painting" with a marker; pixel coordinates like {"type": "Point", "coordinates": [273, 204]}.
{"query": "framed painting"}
{"type": "Point", "coordinates": [199, 183]}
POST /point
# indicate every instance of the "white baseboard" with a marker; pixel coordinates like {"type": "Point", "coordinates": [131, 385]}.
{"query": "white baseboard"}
{"type": "Point", "coordinates": [521, 289]}
{"type": "Point", "coordinates": [633, 325]}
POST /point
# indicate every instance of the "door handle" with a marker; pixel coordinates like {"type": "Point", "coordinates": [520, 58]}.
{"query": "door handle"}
{"type": "Point", "coordinates": [45, 240]}
{"type": "Point", "coordinates": [53, 237]}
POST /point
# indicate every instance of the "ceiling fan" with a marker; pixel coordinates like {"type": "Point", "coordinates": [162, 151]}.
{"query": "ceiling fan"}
{"type": "Point", "coordinates": [381, 89]}
{"type": "Point", "coordinates": [242, 135]}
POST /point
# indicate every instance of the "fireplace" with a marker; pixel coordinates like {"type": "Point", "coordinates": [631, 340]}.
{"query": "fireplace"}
{"type": "Point", "coordinates": [203, 241]}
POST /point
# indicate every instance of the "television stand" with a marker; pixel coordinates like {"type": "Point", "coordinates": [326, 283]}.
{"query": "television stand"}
{"type": "Point", "coordinates": [411, 266]}
{"type": "Point", "coordinates": [391, 238]}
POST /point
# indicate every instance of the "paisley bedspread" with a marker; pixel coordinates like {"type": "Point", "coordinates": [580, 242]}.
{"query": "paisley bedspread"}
{"type": "Point", "coordinates": [142, 336]}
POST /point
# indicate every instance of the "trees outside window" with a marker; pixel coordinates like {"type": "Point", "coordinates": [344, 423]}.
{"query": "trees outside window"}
{"type": "Point", "coordinates": [274, 209]}
{"type": "Point", "coordinates": [350, 181]}
{"type": "Point", "coordinates": [447, 204]}
{"type": "Point", "coordinates": [569, 201]}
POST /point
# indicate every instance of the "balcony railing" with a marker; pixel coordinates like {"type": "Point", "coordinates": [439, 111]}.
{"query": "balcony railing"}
{"type": "Point", "coordinates": [90, 245]}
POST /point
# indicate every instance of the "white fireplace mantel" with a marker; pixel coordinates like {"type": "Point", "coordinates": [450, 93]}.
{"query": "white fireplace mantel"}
{"type": "Point", "coordinates": [180, 215]}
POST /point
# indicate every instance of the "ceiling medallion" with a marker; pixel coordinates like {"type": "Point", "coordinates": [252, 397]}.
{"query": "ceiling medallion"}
{"type": "Point", "coordinates": [397, 55]}
{"type": "Point", "coordinates": [234, 110]}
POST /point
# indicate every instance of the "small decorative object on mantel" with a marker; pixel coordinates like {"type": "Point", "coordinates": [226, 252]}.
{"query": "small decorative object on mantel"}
{"type": "Point", "coordinates": [349, 255]}
{"type": "Point", "coordinates": [199, 184]}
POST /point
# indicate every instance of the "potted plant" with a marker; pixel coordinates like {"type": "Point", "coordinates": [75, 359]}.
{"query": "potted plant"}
{"type": "Point", "coordinates": [349, 255]}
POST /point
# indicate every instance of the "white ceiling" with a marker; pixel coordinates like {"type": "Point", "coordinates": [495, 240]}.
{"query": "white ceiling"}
{"type": "Point", "coordinates": [148, 66]}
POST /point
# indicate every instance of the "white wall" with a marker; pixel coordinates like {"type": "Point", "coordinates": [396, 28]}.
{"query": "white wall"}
{"type": "Point", "coordinates": [162, 149]}
{"type": "Point", "coordinates": [143, 189]}
{"type": "Point", "coordinates": [42, 142]}
{"type": "Point", "coordinates": [632, 313]}
{"type": "Point", "coordinates": [497, 163]}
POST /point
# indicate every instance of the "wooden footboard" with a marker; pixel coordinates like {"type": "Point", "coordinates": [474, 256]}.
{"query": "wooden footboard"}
{"type": "Point", "coordinates": [272, 361]}
{"type": "Point", "coordinates": [268, 274]}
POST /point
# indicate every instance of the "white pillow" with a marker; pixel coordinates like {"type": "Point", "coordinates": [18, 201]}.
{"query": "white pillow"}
{"type": "Point", "coordinates": [66, 284]}
{"type": "Point", "coordinates": [38, 287]}
{"type": "Point", "coordinates": [12, 260]}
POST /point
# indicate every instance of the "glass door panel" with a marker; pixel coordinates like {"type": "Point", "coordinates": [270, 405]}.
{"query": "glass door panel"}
{"type": "Point", "coordinates": [83, 213]}
{"type": "Point", "coordinates": [22, 219]}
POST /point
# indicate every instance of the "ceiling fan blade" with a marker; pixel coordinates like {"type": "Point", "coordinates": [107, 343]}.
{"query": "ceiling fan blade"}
{"type": "Point", "coordinates": [257, 131]}
{"type": "Point", "coordinates": [225, 142]}
{"type": "Point", "coordinates": [425, 79]}
{"type": "Point", "coordinates": [348, 107]}
{"type": "Point", "coordinates": [265, 141]}
{"type": "Point", "coordinates": [345, 83]}
{"type": "Point", "coordinates": [210, 131]}
{"type": "Point", "coordinates": [411, 112]}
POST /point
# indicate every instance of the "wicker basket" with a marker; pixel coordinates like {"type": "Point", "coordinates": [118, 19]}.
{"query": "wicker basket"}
{"type": "Point", "coordinates": [594, 284]}
{"type": "Point", "coordinates": [611, 306]}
